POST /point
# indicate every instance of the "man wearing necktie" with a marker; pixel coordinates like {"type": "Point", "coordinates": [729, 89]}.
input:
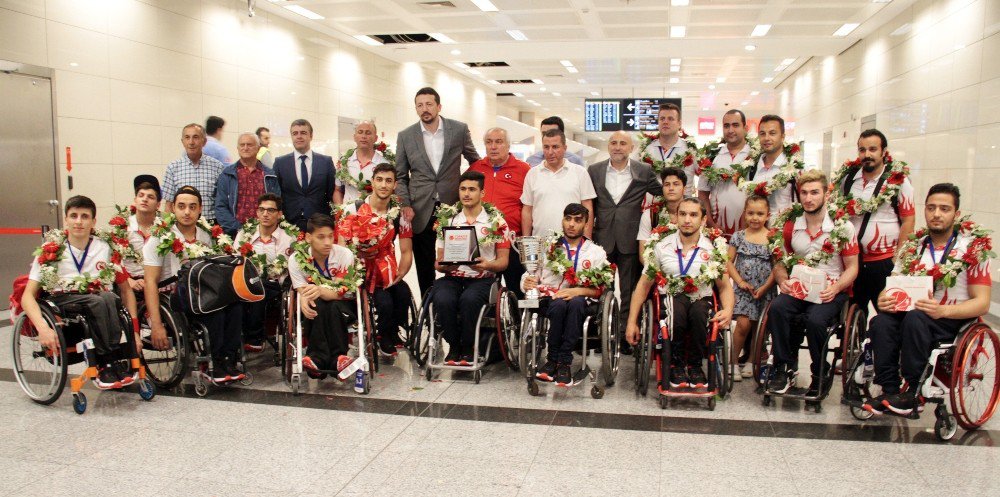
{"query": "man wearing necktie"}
{"type": "Point", "coordinates": [306, 177]}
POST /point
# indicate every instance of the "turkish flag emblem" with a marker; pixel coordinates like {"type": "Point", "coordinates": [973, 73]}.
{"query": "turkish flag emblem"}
{"type": "Point", "coordinates": [798, 289]}
{"type": "Point", "coordinates": [705, 256]}
{"type": "Point", "coordinates": [484, 231]}
{"type": "Point", "coordinates": [586, 264]}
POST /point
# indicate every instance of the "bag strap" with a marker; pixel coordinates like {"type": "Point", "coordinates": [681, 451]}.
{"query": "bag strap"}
{"type": "Point", "coordinates": [868, 216]}
{"type": "Point", "coordinates": [786, 234]}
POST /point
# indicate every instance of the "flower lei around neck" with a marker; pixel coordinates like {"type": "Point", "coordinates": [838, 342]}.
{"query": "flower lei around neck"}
{"type": "Point", "coordinates": [945, 273]}
{"type": "Point", "coordinates": [690, 156]}
{"type": "Point", "coordinates": [600, 276]}
{"type": "Point", "coordinates": [835, 242]}
{"type": "Point", "coordinates": [660, 209]}
{"type": "Point", "coordinates": [119, 234]}
{"type": "Point", "coordinates": [275, 268]}
{"type": "Point", "coordinates": [54, 249]}
{"type": "Point", "coordinates": [788, 172]}
{"type": "Point", "coordinates": [898, 172]}
{"type": "Point", "coordinates": [735, 172]}
{"type": "Point", "coordinates": [169, 243]}
{"type": "Point", "coordinates": [391, 214]}
{"type": "Point", "coordinates": [359, 183]}
{"type": "Point", "coordinates": [710, 271]}
{"type": "Point", "coordinates": [495, 233]}
{"type": "Point", "coordinates": [345, 281]}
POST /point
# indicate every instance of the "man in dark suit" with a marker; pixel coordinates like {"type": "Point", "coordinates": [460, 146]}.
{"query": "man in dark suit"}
{"type": "Point", "coordinates": [306, 178]}
{"type": "Point", "coordinates": [621, 185]}
{"type": "Point", "coordinates": [428, 158]}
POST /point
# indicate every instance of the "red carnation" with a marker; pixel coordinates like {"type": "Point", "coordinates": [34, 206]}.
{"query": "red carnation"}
{"type": "Point", "coordinates": [131, 209]}
{"type": "Point", "coordinates": [688, 160]}
{"type": "Point", "coordinates": [648, 160]}
{"type": "Point", "coordinates": [852, 207]}
{"type": "Point", "coordinates": [794, 149]}
{"type": "Point", "coordinates": [896, 178]}
{"type": "Point", "coordinates": [116, 258]}
{"type": "Point", "coordinates": [177, 246]}
{"type": "Point", "coordinates": [120, 241]}
{"type": "Point", "coordinates": [703, 165]}
{"type": "Point", "coordinates": [853, 163]}
{"type": "Point", "coordinates": [121, 277]}
{"type": "Point", "coordinates": [118, 221]}
{"type": "Point", "coordinates": [682, 133]}
{"type": "Point", "coordinates": [967, 225]}
{"type": "Point", "coordinates": [614, 267]}
{"type": "Point", "coordinates": [368, 187]}
{"type": "Point", "coordinates": [970, 258]}
{"type": "Point", "coordinates": [381, 147]}
{"type": "Point", "coordinates": [570, 276]}
{"type": "Point", "coordinates": [246, 249]}
{"type": "Point", "coordinates": [839, 214]}
{"type": "Point", "coordinates": [689, 286]}
{"type": "Point", "coordinates": [216, 231]}
{"type": "Point", "coordinates": [95, 286]}
{"type": "Point", "coordinates": [760, 189]}
{"type": "Point", "coordinates": [828, 246]}
{"type": "Point", "coordinates": [50, 247]}
{"type": "Point", "coordinates": [301, 236]}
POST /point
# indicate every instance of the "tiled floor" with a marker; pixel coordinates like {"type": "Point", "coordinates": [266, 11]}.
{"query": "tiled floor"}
{"type": "Point", "coordinates": [414, 437]}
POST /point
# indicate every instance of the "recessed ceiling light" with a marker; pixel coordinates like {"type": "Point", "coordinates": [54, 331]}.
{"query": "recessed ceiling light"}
{"type": "Point", "coordinates": [680, 3]}
{"type": "Point", "coordinates": [572, 70]}
{"type": "Point", "coordinates": [768, 79]}
{"type": "Point", "coordinates": [486, 5]}
{"type": "Point", "coordinates": [538, 82]}
{"type": "Point", "coordinates": [750, 48]}
{"type": "Point", "coordinates": [517, 34]}
{"type": "Point", "coordinates": [675, 68]}
{"type": "Point", "coordinates": [581, 81]}
{"type": "Point", "coordinates": [73, 64]}
{"type": "Point", "coordinates": [566, 63]}
{"type": "Point", "coordinates": [443, 38]}
{"type": "Point", "coordinates": [846, 29]}
{"type": "Point", "coordinates": [368, 40]}
{"type": "Point", "coordinates": [518, 94]}
{"type": "Point", "coordinates": [674, 81]}
{"type": "Point", "coordinates": [536, 104]}
{"type": "Point", "coordinates": [675, 61]}
{"type": "Point", "coordinates": [594, 93]}
{"type": "Point", "coordinates": [711, 87]}
{"type": "Point", "coordinates": [456, 52]}
{"type": "Point", "coordinates": [556, 94]}
{"type": "Point", "coordinates": [678, 31]}
{"type": "Point", "coordinates": [302, 11]}
{"type": "Point", "coordinates": [760, 30]}
{"type": "Point", "coordinates": [755, 93]}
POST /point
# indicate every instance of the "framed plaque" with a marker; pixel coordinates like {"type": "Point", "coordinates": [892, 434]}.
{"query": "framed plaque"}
{"type": "Point", "coordinates": [461, 245]}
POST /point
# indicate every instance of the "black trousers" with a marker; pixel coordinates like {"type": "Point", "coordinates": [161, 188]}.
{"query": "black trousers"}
{"type": "Point", "coordinates": [816, 318]}
{"type": "Point", "coordinates": [689, 332]}
{"type": "Point", "coordinates": [327, 333]}
{"type": "Point", "coordinates": [102, 308]}
{"type": "Point", "coordinates": [225, 326]}
{"type": "Point", "coordinates": [391, 305]}
{"type": "Point", "coordinates": [870, 282]}
{"type": "Point", "coordinates": [512, 275]}
{"type": "Point", "coordinates": [629, 272]}
{"type": "Point", "coordinates": [566, 319]}
{"type": "Point", "coordinates": [254, 313]}
{"type": "Point", "coordinates": [424, 255]}
{"type": "Point", "coordinates": [459, 300]}
{"type": "Point", "coordinates": [903, 341]}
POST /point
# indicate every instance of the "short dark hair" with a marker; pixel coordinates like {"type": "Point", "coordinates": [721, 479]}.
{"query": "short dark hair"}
{"type": "Point", "coordinates": [213, 124]}
{"type": "Point", "coordinates": [188, 190]}
{"type": "Point", "coordinates": [384, 167]}
{"type": "Point", "coordinates": [669, 106]}
{"type": "Point", "coordinates": [946, 188]}
{"type": "Point", "coordinates": [756, 198]}
{"type": "Point", "coordinates": [302, 122]}
{"type": "Point", "coordinates": [555, 132]}
{"type": "Point", "coordinates": [427, 90]}
{"type": "Point", "coordinates": [261, 130]}
{"type": "Point", "coordinates": [554, 120]}
{"type": "Point", "coordinates": [743, 117]}
{"type": "Point", "coordinates": [320, 220]}
{"type": "Point", "coordinates": [476, 176]}
{"type": "Point", "coordinates": [773, 118]}
{"type": "Point", "coordinates": [575, 209]}
{"type": "Point", "coordinates": [145, 185]}
{"type": "Point", "coordinates": [80, 202]}
{"type": "Point", "coordinates": [674, 171]}
{"type": "Point", "coordinates": [868, 133]}
{"type": "Point", "coordinates": [697, 201]}
{"type": "Point", "coordinates": [269, 197]}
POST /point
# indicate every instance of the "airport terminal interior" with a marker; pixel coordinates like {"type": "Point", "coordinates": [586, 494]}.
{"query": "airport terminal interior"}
{"type": "Point", "coordinates": [418, 359]}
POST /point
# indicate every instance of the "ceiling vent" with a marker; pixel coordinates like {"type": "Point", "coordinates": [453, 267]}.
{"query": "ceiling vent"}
{"type": "Point", "coordinates": [515, 81]}
{"type": "Point", "coordinates": [405, 38]}
{"type": "Point", "coordinates": [487, 64]}
{"type": "Point", "coordinates": [436, 5]}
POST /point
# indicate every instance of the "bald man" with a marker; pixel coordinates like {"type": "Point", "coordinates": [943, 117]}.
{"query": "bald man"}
{"type": "Point", "coordinates": [621, 185]}
{"type": "Point", "coordinates": [360, 164]}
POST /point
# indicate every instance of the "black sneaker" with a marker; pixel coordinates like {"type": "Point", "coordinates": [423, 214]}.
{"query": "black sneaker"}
{"type": "Point", "coordinates": [123, 371]}
{"type": "Point", "coordinates": [814, 386]}
{"type": "Point", "coordinates": [904, 403]}
{"type": "Point", "coordinates": [875, 405]}
{"type": "Point", "coordinates": [233, 369]}
{"type": "Point", "coordinates": [547, 371]}
{"type": "Point", "coordinates": [696, 377]}
{"type": "Point", "coordinates": [564, 376]}
{"type": "Point", "coordinates": [678, 377]}
{"type": "Point", "coordinates": [386, 348]}
{"type": "Point", "coordinates": [220, 370]}
{"type": "Point", "coordinates": [107, 377]}
{"type": "Point", "coordinates": [780, 380]}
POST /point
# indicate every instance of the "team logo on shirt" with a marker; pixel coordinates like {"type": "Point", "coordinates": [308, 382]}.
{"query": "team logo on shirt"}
{"type": "Point", "coordinates": [586, 264]}
{"type": "Point", "coordinates": [705, 256]}
{"type": "Point", "coordinates": [288, 251]}
{"type": "Point", "coordinates": [953, 253]}
{"type": "Point", "coordinates": [101, 265]}
{"type": "Point", "coordinates": [507, 176]}
{"type": "Point", "coordinates": [484, 230]}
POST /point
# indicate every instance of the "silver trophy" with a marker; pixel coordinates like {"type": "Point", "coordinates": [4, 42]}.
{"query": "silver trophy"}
{"type": "Point", "coordinates": [530, 249]}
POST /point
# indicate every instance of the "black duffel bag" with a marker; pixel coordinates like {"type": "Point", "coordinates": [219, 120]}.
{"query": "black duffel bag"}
{"type": "Point", "coordinates": [209, 284]}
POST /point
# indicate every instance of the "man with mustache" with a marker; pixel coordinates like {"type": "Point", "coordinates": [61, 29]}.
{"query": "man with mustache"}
{"type": "Point", "coordinates": [771, 132]}
{"type": "Point", "coordinates": [669, 145]}
{"type": "Point", "coordinates": [880, 231]}
{"type": "Point", "coordinates": [724, 199]}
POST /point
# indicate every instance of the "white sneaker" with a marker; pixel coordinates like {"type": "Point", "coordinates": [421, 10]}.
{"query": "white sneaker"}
{"type": "Point", "coordinates": [746, 370]}
{"type": "Point", "coordinates": [737, 374]}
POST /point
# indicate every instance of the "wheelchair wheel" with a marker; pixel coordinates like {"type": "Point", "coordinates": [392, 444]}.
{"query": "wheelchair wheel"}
{"type": "Point", "coordinates": [165, 367]}
{"type": "Point", "coordinates": [408, 330]}
{"type": "Point", "coordinates": [40, 372]}
{"type": "Point", "coordinates": [857, 388]}
{"type": "Point", "coordinates": [644, 350]}
{"type": "Point", "coordinates": [533, 333]}
{"type": "Point", "coordinates": [367, 324]}
{"type": "Point", "coordinates": [974, 387]}
{"type": "Point", "coordinates": [761, 349]}
{"type": "Point", "coordinates": [855, 331]}
{"type": "Point", "coordinates": [422, 335]}
{"type": "Point", "coordinates": [725, 368]}
{"type": "Point", "coordinates": [508, 336]}
{"type": "Point", "coordinates": [610, 330]}
{"type": "Point", "coordinates": [287, 350]}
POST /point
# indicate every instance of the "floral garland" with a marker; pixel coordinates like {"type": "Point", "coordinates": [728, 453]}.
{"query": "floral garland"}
{"type": "Point", "coordinates": [735, 172]}
{"type": "Point", "coordinates": [169, 243]}
{"type": "Point", "coordinates": [496, 232]}
{"type": "Point", "coordinates": [659, 208]}
{"type": "Point", "coordinates": [788, 172]}
{"type": "Point", "coordinates": [946, 272]}
{"type": "Point", "coordinates": [54, 249]}
{"type": "Point", "coordinates": [687, 159]}
{"type": "Point", "coordinates": [277, 267]}
{"type": "Point", "coordinates": [119, 234]}
{"type": "Point", "coordinates": [600, 276]}
{"type": "Point", "coordinates": [835, 242]}
{"type": "Point", "coordinates": [362, 185]}
{"type": "Point", "coordinates": [898, 172]}
{"type": "Point", "coordinates": [343, 282]}
{"type": "Point", "coordinates": [709, 272]}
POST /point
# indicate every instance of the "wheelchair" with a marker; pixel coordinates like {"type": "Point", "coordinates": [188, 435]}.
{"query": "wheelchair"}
{"type": "Point", "coordinates": [294, 344]}
{"type": "Point", "coordinates": [961, 374]}
{"type": "Point", "coordinates": [601, 331]}
{"type": "Point", "coordinates": [42, 372]}
{"type": "Point", "coordinates": [405, 332]}
{"type": "Point", "coordinates": [850, 332]}
{"type": "Point", "coordinates": [654, 348]}
{"type": "Point", "coordinates": [497, 317]}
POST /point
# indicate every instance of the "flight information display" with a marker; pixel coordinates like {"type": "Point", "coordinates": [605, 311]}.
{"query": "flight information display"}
{"type": "Point", "coordinates": [628, 114]}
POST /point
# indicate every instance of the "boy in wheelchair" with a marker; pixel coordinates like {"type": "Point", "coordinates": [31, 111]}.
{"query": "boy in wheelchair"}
{"type": "Point", "coordinates": [318, 273]}
{"type": "Point", "coordinates": [76, 267]}
{"type": "Point", "coordinates": [575, 269]}
{"type": "Point", "coordinates": [956, 253]}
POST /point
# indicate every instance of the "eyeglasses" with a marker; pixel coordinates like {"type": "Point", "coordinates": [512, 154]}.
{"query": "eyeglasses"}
{"type": "Point", "coordinates": [268, 210]}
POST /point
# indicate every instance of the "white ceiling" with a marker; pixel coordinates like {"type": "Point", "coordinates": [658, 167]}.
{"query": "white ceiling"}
{"type": "Point", "coordinates": [622, 48]}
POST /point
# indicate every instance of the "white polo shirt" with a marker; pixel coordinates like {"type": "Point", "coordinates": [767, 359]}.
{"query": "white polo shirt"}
{"type": "Point", "coordinates": [666, 252]}
{"type": "Point", "coordinates": [549, 192]}
{"type": "Point", "coordinates": [804, 243]}
{"type": "Point", "coordinates": [337, 262]}
{"type": "Point", "coordinates": [137, 241]}
{"type": "Point", "coordinates": [97, 256]}
{"type": "Point", "coordinates": [591, 255]}
{"type": "Point", "coordinates": [356, 168]}
{"type": "Point", "coordinates": [726, 200]}
{"type": "Point", "coordinates": [658, 152]}
{"type": "Point", "coordinates": [882, 233]}
{"type": "Point", "coordinates": [781, 199]}
{"type": "Point", "coordinates": [171, 263]}
{"type": "Point", "coordinates": [487, 251]}
{"type": "Point", "coordinates": [278, 243]}
{"type": "Point", "coordinates": [978, 274]}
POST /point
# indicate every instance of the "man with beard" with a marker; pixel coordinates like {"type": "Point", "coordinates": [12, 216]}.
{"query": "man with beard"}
{"type": "Point", "coordinates": [884, 226]}
{"type": "Point", "coordinates": [771, 133]}
{"type": "Point", "coordinates": [724, 199]}
{"type": "Point", "coordinates": [902, 341]}
{"type": "Point", "coordinates": [810, 238]}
